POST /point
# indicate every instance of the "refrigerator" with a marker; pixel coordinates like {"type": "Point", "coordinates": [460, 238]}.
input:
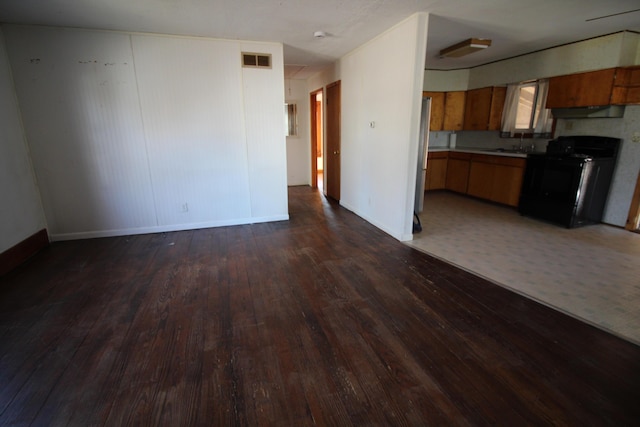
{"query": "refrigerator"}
{"type": "Point", "coordinates": [423, 147]}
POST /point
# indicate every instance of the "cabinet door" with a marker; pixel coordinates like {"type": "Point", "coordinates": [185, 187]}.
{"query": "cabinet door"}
{"type": "Point", "coordinates": [457, 175]}
{"type": "Point", "coordinates": [436, 173]}
{"type": "Point", "coordinates": [507, 182]}
{"type": "Point", "coordinates": [476, 110]}
{"type": "Point", "coordinates": [626, 88]}
{"type": "Point", "coordinates": [498, 97]}
{"type": "Point", "coordinates": [581, 90]}
{"type": "Point", "coordinates": [437, 110]}
{"type": "Point", "coordinates": [454, 110]}
{"type": "Point", "coordinates": [481, 180]}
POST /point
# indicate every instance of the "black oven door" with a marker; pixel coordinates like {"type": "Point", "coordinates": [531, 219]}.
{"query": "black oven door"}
{"type": "Point", "coordinates": [551, 188]}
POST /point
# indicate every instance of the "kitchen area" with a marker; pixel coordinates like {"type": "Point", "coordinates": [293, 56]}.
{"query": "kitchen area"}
{"type": "Point", "coordinates": [583, 263]}
{"type": "Point", "coordinates": [470, 152]}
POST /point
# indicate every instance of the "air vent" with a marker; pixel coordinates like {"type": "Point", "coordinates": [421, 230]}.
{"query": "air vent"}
{"type": "Point", "coordinates": [256, 60]}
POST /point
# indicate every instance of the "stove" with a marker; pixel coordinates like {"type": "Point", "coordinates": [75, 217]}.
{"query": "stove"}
{"type": "Point", "coordinates": [569, 184]}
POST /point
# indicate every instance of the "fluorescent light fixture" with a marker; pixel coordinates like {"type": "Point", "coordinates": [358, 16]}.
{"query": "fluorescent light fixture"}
{"type": "Point", "coordinates": [464, 48]}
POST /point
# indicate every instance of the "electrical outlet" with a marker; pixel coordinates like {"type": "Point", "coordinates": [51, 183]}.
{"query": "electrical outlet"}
{"type": "Point", "coordinates": [636, 137]}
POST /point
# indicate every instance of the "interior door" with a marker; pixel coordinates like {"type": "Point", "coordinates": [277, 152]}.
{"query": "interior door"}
{"type": "Point", "coordinates": [333, 141]}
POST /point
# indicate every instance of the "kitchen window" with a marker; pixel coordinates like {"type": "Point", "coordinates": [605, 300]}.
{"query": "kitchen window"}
{"type": "Point", "coordinates": [524, 112]}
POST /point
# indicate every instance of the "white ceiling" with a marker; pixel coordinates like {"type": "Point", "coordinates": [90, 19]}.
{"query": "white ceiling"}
{"type": "Point", "coordinates": [515, 26]}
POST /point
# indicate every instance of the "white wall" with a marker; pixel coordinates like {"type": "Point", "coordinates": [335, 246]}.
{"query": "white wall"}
{"type": "Point", "coordinates": [446, 81]}
{"type": "Point", "coordinates": [299, 146]}
{"type": "Point", "coordinates": [21, 213]}
{"type": "Point", "coordinates": [381, 83]}
{"type": "Point", "coordinates": [141, 133]}
{"type": "Point", "coordinates": [614, 50]}
{"type": "Point", "coordinates": [594, 54]}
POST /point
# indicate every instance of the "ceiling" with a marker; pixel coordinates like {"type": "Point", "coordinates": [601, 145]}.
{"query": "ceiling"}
{"type": "Point", "coordinates": [515, 26]}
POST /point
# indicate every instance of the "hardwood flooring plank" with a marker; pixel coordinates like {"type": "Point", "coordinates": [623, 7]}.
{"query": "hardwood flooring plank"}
{"type": "Point", "coordinates": [319, 320]}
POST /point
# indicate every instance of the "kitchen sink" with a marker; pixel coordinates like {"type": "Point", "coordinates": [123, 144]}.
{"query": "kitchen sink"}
{"type": "Point", "coordinates": [506, 150]}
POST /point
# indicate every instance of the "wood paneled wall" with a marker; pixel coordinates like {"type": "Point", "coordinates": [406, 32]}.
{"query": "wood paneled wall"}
{"type": "Point", "coordinates": [134, 133]}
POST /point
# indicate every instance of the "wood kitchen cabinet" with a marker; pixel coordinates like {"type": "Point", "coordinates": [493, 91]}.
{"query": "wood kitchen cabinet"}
{"type": "Point", "coordinates": [483, 108]}
{"type": "Point", "coordinates": [507, 182]}
{"type": "Point", "coordinates": [498, 97]}
{"type": "Point", "coordinates": [480, 179]}
{"type": "Point", "coordinates": [454, 110]}
{"type": "Point", "coordinates": [626, 86]}
{"type": "Point", "coordinates": [437, 110]}
{"type": "Point", "coordinates": [496, 178]}
{"type": "Point", "coordinates": [581, 90]}
{"type": "Point", "coordinates": [458, 172]}
{"type": "Point", "coordinates": [447, 110]}
{"type": "Point", "coordinates": [436, 171]}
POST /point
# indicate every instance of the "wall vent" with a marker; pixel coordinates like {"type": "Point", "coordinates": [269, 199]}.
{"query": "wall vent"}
{"type": "Point", "coordinates": [256, 60]}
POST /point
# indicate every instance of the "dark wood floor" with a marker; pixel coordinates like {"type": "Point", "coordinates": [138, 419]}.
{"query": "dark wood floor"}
{"type": "Point", "coordinates": [322, 319]}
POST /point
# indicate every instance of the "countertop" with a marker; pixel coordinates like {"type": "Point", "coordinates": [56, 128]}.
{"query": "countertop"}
{"type": "Point", "coordinates": [476, 150]}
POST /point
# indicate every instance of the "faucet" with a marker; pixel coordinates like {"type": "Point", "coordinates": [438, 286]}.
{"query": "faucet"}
{"type": "Point", "coordinates": [521, 148]}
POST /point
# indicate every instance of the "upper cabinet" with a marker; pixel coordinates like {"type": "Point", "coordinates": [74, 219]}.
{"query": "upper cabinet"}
{"type": "Point", "coordinates": [626, 87]}
{"type": "Point", "coordinates": [437, 110]}
{"type": "Point", "coordinates": [581, 90]}
{"type": "Point", "coordinates": [454, 110]}
{"type": "Point", "coordinates": [483, 108]}
{"type": "Point", "coordinates": [447, 110]}
{"type": "Point", "coordinates": [498, 97]}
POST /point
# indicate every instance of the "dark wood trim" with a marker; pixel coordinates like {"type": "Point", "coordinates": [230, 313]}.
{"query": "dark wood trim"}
{"type": "Point", "coordinates": [336, 83]}
{"type": "Point", "coordinates": [633, 220]}
{"type": "Point", "coordinates": [16, 255]}
{"type": "Point", "coordinates": [314, 139]}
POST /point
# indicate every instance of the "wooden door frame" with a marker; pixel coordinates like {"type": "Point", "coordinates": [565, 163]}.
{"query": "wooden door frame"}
{"type": "Point", "coordinates": [314, 134]}
{"type": "Point", "coordinates": [633, 220]}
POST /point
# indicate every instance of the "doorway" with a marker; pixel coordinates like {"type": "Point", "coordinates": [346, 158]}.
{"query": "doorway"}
{"type": "Point", "coordinates": [332, 152]}
{"type": "Point", "coordinates": [317, 158]}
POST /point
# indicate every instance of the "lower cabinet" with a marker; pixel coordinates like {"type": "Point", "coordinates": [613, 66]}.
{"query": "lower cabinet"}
{"type": "Point", "coordinates": [436, 171]}
{"type": "Point", "coordinates": [480, 179]}
{"type": "Point", "coordinates": [496, 178]}
{"type": "Point", "coordinates": [457, 172]}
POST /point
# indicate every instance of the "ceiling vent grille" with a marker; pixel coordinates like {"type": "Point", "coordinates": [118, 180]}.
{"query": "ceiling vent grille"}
{"type": "Point", "coordinates": [256, 60]}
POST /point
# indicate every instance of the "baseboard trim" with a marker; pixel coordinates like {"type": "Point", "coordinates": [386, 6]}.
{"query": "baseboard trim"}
{"type": "Point", "coordinates": [17, 254]}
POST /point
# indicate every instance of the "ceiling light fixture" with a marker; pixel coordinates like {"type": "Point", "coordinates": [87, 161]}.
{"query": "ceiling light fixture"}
{"type": "Point", "coordinates": [464, 48]}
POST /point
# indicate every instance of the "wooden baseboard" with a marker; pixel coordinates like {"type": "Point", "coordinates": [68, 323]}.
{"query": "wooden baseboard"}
{"type": "Point", "coordinates": [16, 255]}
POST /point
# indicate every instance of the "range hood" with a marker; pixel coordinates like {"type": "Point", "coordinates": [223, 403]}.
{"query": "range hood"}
{"type": "Point", "coordinates": [606, 111]}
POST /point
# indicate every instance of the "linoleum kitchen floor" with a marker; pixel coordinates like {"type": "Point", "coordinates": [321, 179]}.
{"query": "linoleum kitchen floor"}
{"type": "Point", "coordinates": [592, 272]}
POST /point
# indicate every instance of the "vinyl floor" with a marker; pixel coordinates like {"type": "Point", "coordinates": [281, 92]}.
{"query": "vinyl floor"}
{"type": "Point", "coordinates": [592, 272]}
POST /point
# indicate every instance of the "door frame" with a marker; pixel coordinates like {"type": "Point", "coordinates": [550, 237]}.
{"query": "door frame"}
{"type": "Point", "coordinates": [633, 220]}
{"type": "Point", "coordinates": [314, 135]}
